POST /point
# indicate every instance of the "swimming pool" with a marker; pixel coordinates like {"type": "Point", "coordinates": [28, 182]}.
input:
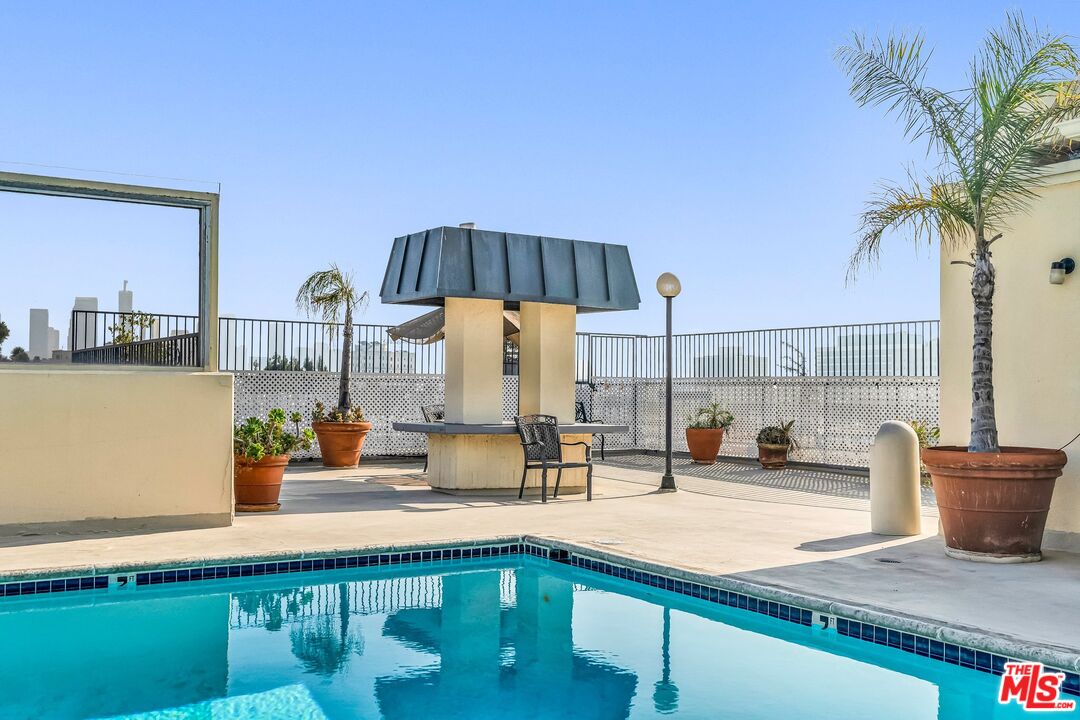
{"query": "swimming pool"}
{"type": "Point", "coordinates": [502, 635]}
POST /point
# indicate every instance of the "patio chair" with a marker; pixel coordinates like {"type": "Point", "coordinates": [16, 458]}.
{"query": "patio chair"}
{"type": "Point", "coordinates": [581, 415]}
{"type": "Point", "coordinates": [432, 413]}
{"type": "Point", "coordinates": [542, 446]}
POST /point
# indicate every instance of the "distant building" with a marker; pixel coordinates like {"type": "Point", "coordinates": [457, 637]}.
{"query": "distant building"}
{"type": "Point", "coordinates": [872, 351]}
{"type": "Point", "coordinates": [38, 346]}
{"type": "Point", "coordinates": [378, 357]}
{"type": "Point", "coordinates": [731, 361]}
{"type": "Point", "coordinates": [84, 328]}
{"type": "Point", "coordinates": [125, 299]}
{"type": "Point", "coordinates": [54, 341]}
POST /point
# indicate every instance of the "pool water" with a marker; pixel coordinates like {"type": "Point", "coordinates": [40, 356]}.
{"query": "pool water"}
{"type": "Point", "coordinates": [509, 638]}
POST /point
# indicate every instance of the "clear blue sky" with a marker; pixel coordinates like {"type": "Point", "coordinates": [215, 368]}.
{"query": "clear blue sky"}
{"type": "Point", "coordinates": [717, 140]}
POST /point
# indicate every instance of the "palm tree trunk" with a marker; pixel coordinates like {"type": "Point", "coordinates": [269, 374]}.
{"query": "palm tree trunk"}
{"type": "Point", "coordinates": [984, 435]}
{"type": "Point", "coordinates": [344, 398]}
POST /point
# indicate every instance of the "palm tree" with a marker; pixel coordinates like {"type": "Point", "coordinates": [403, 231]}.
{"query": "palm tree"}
{"type": "Point", "coordinates": [990, 141]}
{"type": "Point", "coordinates": [330, 294]}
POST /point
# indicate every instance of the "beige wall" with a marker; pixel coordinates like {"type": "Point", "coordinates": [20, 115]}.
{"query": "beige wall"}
{"type": "Point", "coordinates": [474, 360]}
{"type": "Point", "coordinates": [548, 354]}
{"type": "Point", "coordinates": [112, 446]}
{"type": "Point", "coordinates": [1036, 342]}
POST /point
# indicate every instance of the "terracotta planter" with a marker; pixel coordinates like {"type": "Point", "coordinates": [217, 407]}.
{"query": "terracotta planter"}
{"type": "Point", "coordinates": [993, 505]}
{"type": "Point", "coordinates": [340, 443]}
{"type": "Point", "coordinates": [772, 457]}
{"type": "Point", "coordinates": [258, 484]}
{"type": "Point", "coordinates": [704, 444]}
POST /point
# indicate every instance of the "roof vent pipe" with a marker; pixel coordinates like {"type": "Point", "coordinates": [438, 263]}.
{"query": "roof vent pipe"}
{"type": "Point", "coordinates": [467, 225]}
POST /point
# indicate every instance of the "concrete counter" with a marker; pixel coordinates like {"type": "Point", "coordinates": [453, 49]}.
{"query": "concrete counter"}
{"type": "Point", "coordinates": [506, 428]}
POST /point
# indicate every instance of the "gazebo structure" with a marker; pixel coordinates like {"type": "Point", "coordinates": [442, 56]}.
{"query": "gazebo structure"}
{"type": "Point", "coordinates": [475, 275]}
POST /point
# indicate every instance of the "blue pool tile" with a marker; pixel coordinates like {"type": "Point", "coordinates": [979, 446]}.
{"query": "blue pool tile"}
{"type": "Point", "coordinates": [57, 586]}
{"type": "Point", "coordinates": [168, 576]}
{"type": "Point", "coordinates": [156, 578]}
{"type": "Point", "coordinates": [71, 584]}
{"type": "Point", "coordinates": [807, 617]}
{"type": "Point", "coordinates": [1071, 684]}
{"type": "Point", "coordinates": [27, 588]}
{"type": "Point", "coordinates": [937, 649]}
{"type": "Point", "coordinates": [42, 586]}
{"type": "Point", "coordinates": [842, 626]}
{"type": "Point", "coordinates": [967, 657]}
{"type": "Point", "coordinates": [982, 661]}
{"type": "Point", "coordinates": [894, 639]}
{"type": "Point", "coordinates": [785, 612]}
{"type": "Point", "coordinates": [234, 571]}
{"type": "Point", "coordinates": [881, 636]}
{"type": "Point", "coordinates": [922, 646]}
{"type": "Point", "coordinates": [86, 583]}
{"type": "Point", "coordinates": [997, 664]}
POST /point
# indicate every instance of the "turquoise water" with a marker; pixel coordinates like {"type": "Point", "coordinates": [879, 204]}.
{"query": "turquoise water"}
{"type": "Point", "coordinates": [487, 639]}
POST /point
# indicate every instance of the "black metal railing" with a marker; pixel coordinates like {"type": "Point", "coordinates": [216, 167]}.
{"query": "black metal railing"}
{"type": "Point", "coordinates": [104, 337]}
{"type": "Point", "coordinates": [173, 351]}
{"type": "Point", "coordinates": [909, 348]}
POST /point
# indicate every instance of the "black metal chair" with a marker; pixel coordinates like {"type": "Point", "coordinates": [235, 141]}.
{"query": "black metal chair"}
{"type": "Point", "coordinates": [542, 446]}
{"type": "Point", "coordinates": [581, 415]}
{"type": "Point", "coordinates": [432, 413]}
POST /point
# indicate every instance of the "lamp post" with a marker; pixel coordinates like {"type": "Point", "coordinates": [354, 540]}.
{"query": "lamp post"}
{"type": "Point", "coordinates": [669, 287]}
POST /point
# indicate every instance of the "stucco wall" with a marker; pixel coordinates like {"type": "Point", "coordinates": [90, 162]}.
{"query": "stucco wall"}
{"type": "Point", "coordinates": [110, 447]}
{"type": "Point", "coordinates": [1036, 342]}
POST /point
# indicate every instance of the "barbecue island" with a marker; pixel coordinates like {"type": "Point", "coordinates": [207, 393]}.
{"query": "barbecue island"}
{"type": "Point", "coordinates": [475, 275]}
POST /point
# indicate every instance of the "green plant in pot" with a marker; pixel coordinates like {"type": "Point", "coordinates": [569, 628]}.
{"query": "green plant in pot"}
{"type": "Point", "coordinates": [705, 432]}
{"type": "Point", "coordinates": [262, 449]}
{"type": "Point", "coordinates": [988, 144]}
{"type": "Point", "coordinates": [774, 443]}
{"type": "Point", "coordinates": [331, 295]}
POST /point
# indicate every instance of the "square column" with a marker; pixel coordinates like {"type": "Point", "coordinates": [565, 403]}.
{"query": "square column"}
{"type": "Point", "coordinates": [547, 357]}
{"type": "Point", "coordinates": [474, 360]}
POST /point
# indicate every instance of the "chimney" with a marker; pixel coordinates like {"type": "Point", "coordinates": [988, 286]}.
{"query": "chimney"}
{"type": "Point", "coordinates": [467, 226]}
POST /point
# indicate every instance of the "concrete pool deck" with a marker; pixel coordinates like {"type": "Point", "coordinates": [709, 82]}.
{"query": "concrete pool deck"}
{"type": "Point", "coordinates": [773, 535]}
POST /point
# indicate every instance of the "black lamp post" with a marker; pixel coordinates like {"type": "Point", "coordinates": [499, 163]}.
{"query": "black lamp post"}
{"type": "Point", "coordinates": [669, 287]}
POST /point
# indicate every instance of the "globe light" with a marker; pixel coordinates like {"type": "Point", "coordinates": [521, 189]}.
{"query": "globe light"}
{"type": "Point", "coordinates": [668, 285]}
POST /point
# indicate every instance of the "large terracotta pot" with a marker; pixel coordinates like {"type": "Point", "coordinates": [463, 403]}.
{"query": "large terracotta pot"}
{"type": "Point", "coordinates": [258, 483]}
{"type": "Point", "coordinates": [704, 444]}
{"type": "Point", "coordinates": [772, 457]}
{"type": "Point", "coordinates": [340, 443]}
{"type": "Point", "coordinates": [993, 505]}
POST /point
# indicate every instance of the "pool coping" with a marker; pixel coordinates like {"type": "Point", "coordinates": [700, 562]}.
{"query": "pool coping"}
{"type": "Point", "coordinates": [878, 625]}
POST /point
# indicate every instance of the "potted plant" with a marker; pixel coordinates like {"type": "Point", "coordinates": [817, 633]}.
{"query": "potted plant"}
{"type": "Point", "coordinates": [331, 295]}
{"type": "Point", "coordinates": [262, 449]}
{"type": "Point", "coordinates": [705, 432]}
{"type": "Point", "coordinates": [773, 444]}
{"type": "Point", "coordinates": [989, 142]}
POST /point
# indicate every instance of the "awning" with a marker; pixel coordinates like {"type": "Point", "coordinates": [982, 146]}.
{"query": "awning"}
{"type": "Point", "coordinates": [430, 327]}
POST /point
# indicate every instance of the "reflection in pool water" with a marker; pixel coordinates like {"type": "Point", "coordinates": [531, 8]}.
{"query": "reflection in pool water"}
{"type": "Point", "coordinates": [510, 639]}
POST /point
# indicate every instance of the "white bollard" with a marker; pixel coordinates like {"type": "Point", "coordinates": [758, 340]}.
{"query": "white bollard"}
{"type": "Point", "coordinates": [895, 501]}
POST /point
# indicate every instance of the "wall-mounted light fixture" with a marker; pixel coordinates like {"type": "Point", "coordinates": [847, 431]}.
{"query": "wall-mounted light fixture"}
{"type": "Point", "coordinates": [1061, 268]}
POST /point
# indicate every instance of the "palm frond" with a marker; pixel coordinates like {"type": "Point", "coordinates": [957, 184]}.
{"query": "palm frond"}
{"type": "Point", "coordinates": [328, 294]}
{"type": "Point", "coordinates": [893, 73]}
{"type": "Point", "coordinates": [936, 208]}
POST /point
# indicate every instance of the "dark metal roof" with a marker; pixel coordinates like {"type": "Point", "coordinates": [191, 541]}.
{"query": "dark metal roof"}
{"type": "Point", "coordinates": [429, 266]}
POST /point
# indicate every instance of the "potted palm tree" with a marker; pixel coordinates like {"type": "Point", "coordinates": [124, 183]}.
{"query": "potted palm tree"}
{"type": "Point", "coordinates": [331, 295]}
{"type": "Point", "coordinates": [262, 449]}
{"type": "Point", "coordinates": [988, 141]}
{"type": "Point", "coordinates": [705, 432]}
{"type": "Point", "coordinates": [774, 443]}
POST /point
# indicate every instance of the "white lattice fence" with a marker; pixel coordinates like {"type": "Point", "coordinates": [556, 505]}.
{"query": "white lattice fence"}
{"type": "Point", "coordinates": [835, 418]}
{"type": "Point", "coordinates": [385, 398]}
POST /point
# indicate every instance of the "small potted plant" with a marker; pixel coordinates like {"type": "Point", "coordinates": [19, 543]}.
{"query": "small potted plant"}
{"type": "Point", "coordinates": [262, 449]}
{"type": "Point", "coordinates": [773, 444]}
{"type": "Point", "coordinates": [341, 434]}
{"type": "Point", "coordinates": [332, 295]}
{"type": "Point", "coordinates": [705, 432]}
